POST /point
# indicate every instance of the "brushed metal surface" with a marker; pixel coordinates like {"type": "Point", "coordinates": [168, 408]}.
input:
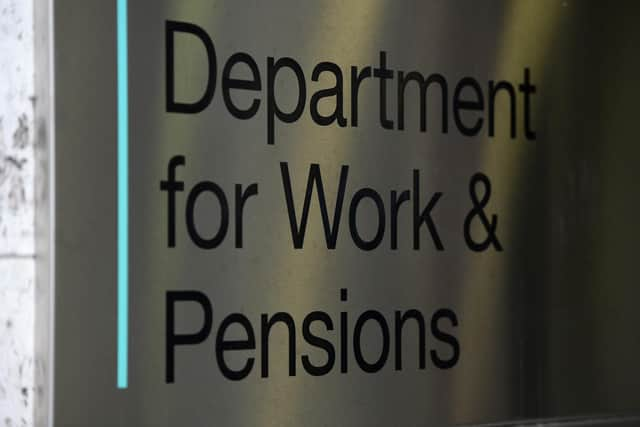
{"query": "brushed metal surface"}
{"type": "Point", "coordinates": [547, 327]}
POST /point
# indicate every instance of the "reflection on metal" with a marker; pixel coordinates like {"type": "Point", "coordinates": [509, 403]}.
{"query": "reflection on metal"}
{"type": "Point", "coordinates": [605, 421]}
{"type": "Point", "coordinates": [546, 327]}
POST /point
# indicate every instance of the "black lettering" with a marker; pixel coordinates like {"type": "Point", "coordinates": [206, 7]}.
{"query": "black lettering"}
{"type": "Point", "coordinates": [330, 230]}
{"type": "Point", "coordinates": [396, 202]}
{"type": "Point", "coordinates": [336, 91]}
{"type": "Point", "coordinates": [424, 216]}
{"type": "Point", "coordinates": [267, 324]}
{"type": "Point", "coordinates": [171, 27]}
{"type": "Point", "coordinates": [241, 198]}
{"type": "Point", "coordinates": [401, 318]}
{"type": "Point", "coordinates": [344, 338]}
{"type": "Point", "coordinates": [527, 89]}
{"type": "Point", "coordinates": [316, 341]}
{"type": "Point", "coordinates": [357, 344]}
{"type": "Point", "coordinates": [223, 345]}
{"type": "Point", "coordinates": [171, 186]}
{"type": "Point", "coordinates": [229, 83]}
{"type": "Point", "coordinates": [200, 241]}
{"type": "Point", "coordinates": [383, 74]}
{"type": "Point", "coordinates": [424, 85]}
{"type": "Point", "coordinates": [475, 104]}
{"type": "Point", "coordinates": [493, 90]}
{"type": "Point", "coordinates": [356, 79]}
{"type": "Point", "coordinates": [445, 338]}
{"type": "Point", "coordinates": [172, 339]}
{"type": "Point", "coordinates": [273, 110]}
{"type": "Point", "coordinates": [353, 225]}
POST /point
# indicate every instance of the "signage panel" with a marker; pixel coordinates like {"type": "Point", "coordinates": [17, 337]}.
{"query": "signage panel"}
{"type": "Point", "coordinates": [344, 213]}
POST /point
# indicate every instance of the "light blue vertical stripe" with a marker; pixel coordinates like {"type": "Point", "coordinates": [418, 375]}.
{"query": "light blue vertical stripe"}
{"type": "Point", "coordinates": [123, 196]}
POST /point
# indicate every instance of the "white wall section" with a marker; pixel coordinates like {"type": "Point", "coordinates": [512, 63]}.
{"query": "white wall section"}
{"type": "Point", "coordinates": [17, 259]}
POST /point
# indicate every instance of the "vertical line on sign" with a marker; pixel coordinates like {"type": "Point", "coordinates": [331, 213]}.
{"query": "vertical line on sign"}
{"type": "Point", "coordinates": [123, 196]}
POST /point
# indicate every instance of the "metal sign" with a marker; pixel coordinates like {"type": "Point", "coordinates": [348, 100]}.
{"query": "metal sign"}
{"type": "Point", "coordinates": [328, 213]}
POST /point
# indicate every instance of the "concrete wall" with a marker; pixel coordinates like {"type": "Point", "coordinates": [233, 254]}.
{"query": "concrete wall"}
{"type": "Point", "coordinates": [17, 259]}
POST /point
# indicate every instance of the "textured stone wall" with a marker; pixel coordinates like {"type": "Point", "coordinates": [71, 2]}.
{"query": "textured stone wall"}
{"type": "Point", "coordinates": [17, 261]}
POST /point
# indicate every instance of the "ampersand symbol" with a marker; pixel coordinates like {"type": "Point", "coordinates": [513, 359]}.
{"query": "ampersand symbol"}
{"type": "Point", "coordinates": [478, 211]}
